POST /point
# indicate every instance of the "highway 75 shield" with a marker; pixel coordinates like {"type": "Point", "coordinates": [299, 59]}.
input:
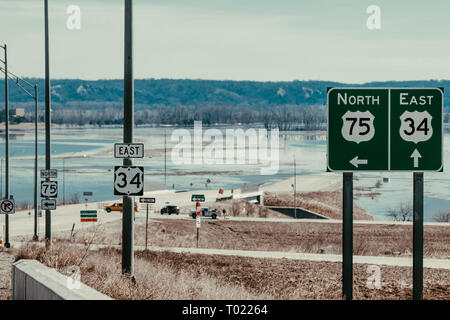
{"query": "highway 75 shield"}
{"type": "Point", "coordinates": [128, 181]}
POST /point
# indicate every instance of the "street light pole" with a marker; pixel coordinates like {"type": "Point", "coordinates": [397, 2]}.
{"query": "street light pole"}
{"type": "Point", "coordinates": [48, 221]}
{"type": "Point", "coordinates": [295, 190]}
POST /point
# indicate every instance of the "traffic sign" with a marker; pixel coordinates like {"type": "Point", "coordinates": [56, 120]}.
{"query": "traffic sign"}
{"type": "Point", "coordinates": [48, 204]}
{"type": "Point", "coordinates": [385, 129]}
{"type": "Point", "coordinates": [49, 189]}
{"type": "Point", "coordinates": [198, 222]}
{"type": "Point", "coordinates": [88, 215]}
{"type": "Point", "coordinates": [198, 198]}
{"type": "Point", "coordinates": [128, 150]}
{"type": "Point", "coordinates": [50, 173]}
{"type": "Point", "coordinates": [88, 193]}
{"type": "Point", "coordinates": [7, 206]}
{"type": "Point", "coordinates": [128, 181]}
{"type": "Point", "coordinates": [147, 200]}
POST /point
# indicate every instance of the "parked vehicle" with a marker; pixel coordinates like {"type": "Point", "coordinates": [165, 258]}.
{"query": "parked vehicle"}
{"type": "Point", "coordinates": [170, 210]}
{"type": "Point", "coordinates": [118, 207]}
{"type": "Point", "coordinates": [205, 212]}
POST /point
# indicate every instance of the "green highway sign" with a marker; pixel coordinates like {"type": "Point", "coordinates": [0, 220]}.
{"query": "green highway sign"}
{"type": "Point", "coordinates": [385, 129]}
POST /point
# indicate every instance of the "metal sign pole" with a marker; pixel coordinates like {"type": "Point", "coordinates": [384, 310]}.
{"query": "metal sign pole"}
{"type": "Point", "coordinates": [418, 236]}
{"type": "Point", "coordinates": [146, 228]}
{"type": "Point", "coordinates": [128, 123]}
{"type": "Point", "coordinates": [347, 237]}
{"type": "Point", "coordinates": [48, 221]}
{"type": "Point", "coordinates": [7, 244]}
{"type": "Point", "coordinates": [35, 236]}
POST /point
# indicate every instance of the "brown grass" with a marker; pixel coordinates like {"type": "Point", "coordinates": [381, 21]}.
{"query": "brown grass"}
{"type": "Point", "coordinates": [156, 280]}
{"type": "Point", "coordinates": [164, 275]}
{"type": "Point", "coordinates": [327, 203]}
{"type": "Point", "coordinates": [308, 237]}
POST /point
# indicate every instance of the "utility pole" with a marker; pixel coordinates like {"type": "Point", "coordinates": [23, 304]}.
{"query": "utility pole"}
{"type": "Point", "coordinates": [165, 158]}
{"type": "Point", "coordinates": [64, 180]}
{"type": "Point", "coordinates": [7, 244]}
{"type": "Point", "coordinates": [295, 190]}
{"type": "Point", "coordinates": [48, 221]}
{"type": "Point", "coordinates": [128, 126]}
{"type": "Point", "coordinates": [35, 236]}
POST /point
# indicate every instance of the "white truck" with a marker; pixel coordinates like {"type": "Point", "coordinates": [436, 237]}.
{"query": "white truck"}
{"type": "Point", "coordinates": [205, 212]}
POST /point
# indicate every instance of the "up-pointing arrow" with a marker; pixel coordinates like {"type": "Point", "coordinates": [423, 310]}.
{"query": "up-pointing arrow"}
{"type": "Point", "coordinates": [416, 155]}
{"type": "Point", "coordinates": [355, 161]}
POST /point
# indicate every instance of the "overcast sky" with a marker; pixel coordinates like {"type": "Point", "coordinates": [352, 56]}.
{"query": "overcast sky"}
{"type": "Point", "coordinates": [264, 40]}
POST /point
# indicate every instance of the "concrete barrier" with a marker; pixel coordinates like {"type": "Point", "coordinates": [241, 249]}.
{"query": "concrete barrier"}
{"type": "Point", "coordinates": [301, 212]}
{"type": "Point", "coordinates": [31, 280]}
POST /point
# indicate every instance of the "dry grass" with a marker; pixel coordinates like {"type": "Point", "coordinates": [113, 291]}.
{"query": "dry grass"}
{"type": "Point", "coordinates": [156, 280]}
{"type": "Point", "coordinates": [164, 275]}
{"type": "Point", "coordinates": [308, 237]}
{"type": "Point", "coordinates": [327, 203]}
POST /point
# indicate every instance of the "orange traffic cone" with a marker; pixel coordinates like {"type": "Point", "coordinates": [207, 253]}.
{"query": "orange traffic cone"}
{"type": "Point", "coordinates": [86, 242]}
{"type": "Point", "coordinates": [54, 240]}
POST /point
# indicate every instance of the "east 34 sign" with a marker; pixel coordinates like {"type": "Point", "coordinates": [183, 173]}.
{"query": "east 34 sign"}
{"type": "Point", "coordinates": [385, 129]}
{"type": "Point", "coordinates": [128, 181]}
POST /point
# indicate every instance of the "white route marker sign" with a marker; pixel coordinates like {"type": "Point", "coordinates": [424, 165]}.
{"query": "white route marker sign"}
{"type": "Point", "coordinates": [128, 150]}
{"type": "Point", "coordinates": [49, 189]}
{"type": "Point", "coordinates": [128, 181]}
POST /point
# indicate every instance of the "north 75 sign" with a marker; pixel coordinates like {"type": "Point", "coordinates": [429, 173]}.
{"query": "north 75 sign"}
{"type": "Point", "coordinates": [385, 129]}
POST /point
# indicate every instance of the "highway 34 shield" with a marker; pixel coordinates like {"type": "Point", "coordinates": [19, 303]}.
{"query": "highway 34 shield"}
{"type": "Point", "coordinates": [128, 181]}
{"type": "Point", "coordinates": [7, 206]}
{"type": "Point", "coordinates": [385, 129]}
{"type": "Point", "coordinates": [49, 189]}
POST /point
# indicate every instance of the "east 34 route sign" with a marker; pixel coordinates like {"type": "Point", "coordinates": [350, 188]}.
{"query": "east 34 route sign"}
{"type": "Point", "coordinates": [385, 129]}
{"type": "Point", "coordinates": [128, 181]}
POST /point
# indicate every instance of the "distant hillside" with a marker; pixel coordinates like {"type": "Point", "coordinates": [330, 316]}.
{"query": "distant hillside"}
{"type": "Point", "coordinates": [294, 105]}
{"type": "Point", "coordinates": [200, 92]}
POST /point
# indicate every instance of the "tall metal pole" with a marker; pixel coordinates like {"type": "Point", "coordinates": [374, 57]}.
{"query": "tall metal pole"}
{"type": "Point", "coordinates": [35, 236]}
{"type": "Point", "coordinates": [7, 244]}
{"type": "Point", "coordinates": [347, 237]}
{"type": "Point", "coordinates": [64, 180]}
{"type": "Point", "coordinates": [165, 158]}
{"type": "Point", "coordinates": [295, 190]}
{"type": "Point", "coordinates": [128, 124]}
{"type": "Point", "coordinates": [146, 228]}
{"type": "Point", "coordinates": [418, 236]}
{"type": "Point", "coordinates": [48, 221]}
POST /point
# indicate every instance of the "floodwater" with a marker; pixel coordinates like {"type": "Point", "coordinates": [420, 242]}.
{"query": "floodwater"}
{"type": "Point", "coordinates": [88, 162]}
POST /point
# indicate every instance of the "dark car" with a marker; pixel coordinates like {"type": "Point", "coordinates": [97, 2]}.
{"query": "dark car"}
{"type": "Point", "coordinates": [170, 209]}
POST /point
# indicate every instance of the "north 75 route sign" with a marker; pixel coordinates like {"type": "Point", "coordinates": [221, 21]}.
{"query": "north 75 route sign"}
{"type": "Point", "coordinates": [385, 129]}
{"type": "Point", "coordinates": [128, 181]}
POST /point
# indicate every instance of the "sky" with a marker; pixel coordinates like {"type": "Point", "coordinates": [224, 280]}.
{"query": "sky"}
{"type": "Point", "coordinates": [261, 40]}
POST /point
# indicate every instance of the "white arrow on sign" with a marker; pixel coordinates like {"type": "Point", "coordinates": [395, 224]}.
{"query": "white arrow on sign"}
{"type": "Point", "coordinates": [355, 161]}
{"type": "Point", "coordinates": [416, 155]}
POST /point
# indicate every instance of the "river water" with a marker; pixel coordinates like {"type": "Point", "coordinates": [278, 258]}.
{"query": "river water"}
{"type": "Point", "coordinates": [88, 162]}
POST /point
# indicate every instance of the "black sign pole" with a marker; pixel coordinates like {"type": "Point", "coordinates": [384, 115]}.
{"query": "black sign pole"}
{"type": "Point", "coordinates": [128, 126]}
{"type": "Point", "coordinates": [418, 236]}
{"type": "Point", "coordinates": [347, 237]}
{"type": "Point", "coordinates": [146, 228]}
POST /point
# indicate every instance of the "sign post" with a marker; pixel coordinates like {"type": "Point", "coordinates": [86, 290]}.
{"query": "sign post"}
{"type": "Point", "coordinates": [198, 221]}
{"type": "Point", "coordinates": [384, 129]}
{"type": "Point", "coordinates": [418, 236]}
{"type": "Point", "coordinates": [147, 201]}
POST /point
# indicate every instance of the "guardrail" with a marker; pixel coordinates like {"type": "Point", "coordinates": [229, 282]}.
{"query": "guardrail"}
{"type": "Point", "coordinates": [31, 280]}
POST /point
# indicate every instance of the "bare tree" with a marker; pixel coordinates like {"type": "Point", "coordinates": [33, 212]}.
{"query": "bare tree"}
{"type": "Point", "coordinates": [404, 213]}
{"type": "Point", "coordinates": [443, 216]}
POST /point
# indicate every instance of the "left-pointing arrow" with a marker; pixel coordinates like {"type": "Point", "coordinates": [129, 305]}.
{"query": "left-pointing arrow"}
{"type": "Point", "coordinates": [356, 162]}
